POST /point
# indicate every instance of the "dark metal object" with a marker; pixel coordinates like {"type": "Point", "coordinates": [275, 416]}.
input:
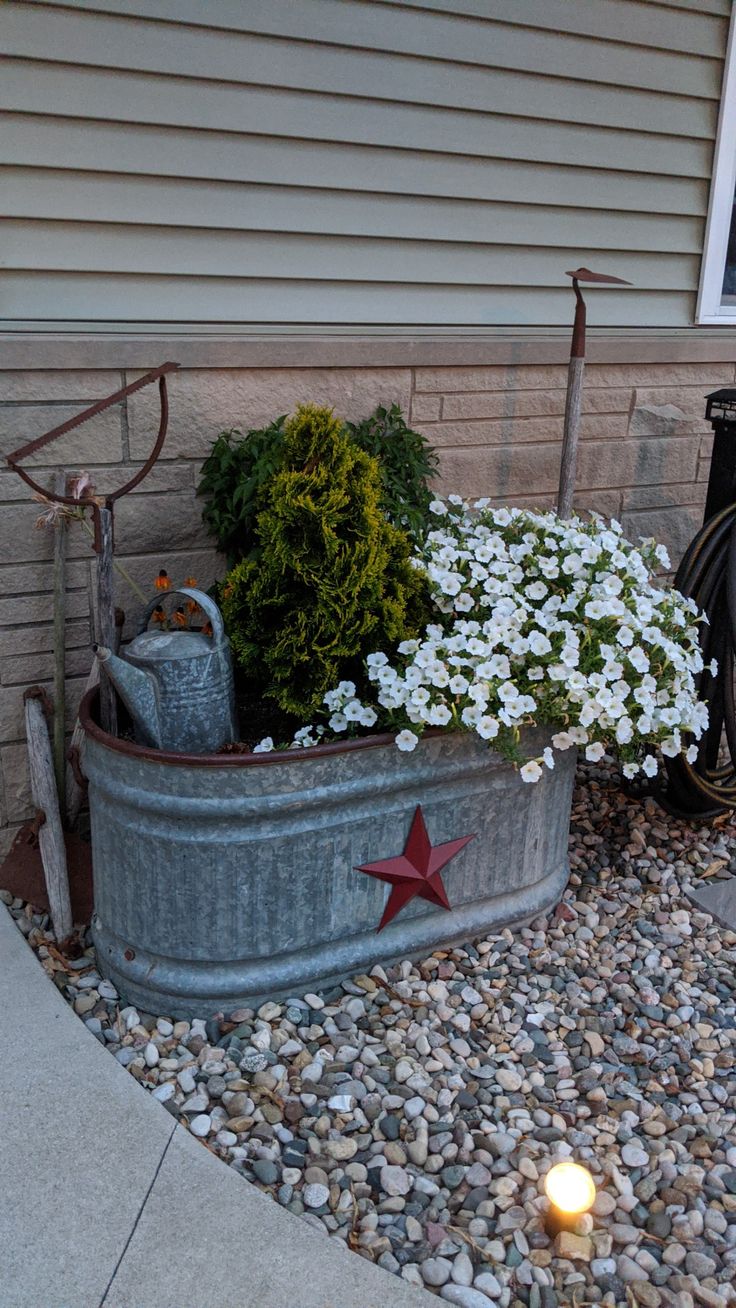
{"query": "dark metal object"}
{"type": "Point", "coordinates": [576, 369]}
{"type": "Point", "coordinates": [40, 692]}
{"type": "Point", "coordinates": [101, 508]}
{"type": "Point", "coordinates": [720, 412]}
{"type": "Point", "coordinates": [707, 574]}
{"type": "Point", "coordinates": [31, 831]}
{"type": "Point", "coordinates": [75, 764]}
{"type": "Point", "coordinates": [13, 460]}
{"type": "Point", "coordinates": [577, 347]}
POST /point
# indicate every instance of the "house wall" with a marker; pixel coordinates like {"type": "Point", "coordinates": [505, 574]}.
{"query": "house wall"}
{"type": "Point", "coordinates": [373, 162]}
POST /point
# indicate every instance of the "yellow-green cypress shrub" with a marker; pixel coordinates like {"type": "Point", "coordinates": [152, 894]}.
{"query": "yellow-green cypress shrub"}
{"type": "Point", "coordinates": [331, 580]}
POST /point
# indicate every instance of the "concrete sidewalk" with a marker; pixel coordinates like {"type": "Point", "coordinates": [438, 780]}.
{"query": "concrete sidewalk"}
{"type": "Point", "coordinates": [105, 1200]}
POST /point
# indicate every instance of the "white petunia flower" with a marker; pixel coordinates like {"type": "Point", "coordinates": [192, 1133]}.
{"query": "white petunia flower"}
{"type": "Point", "coordinates": [594, 752]}
{"type": "Point", "coordinates": [531, 771]}
{"type": "Point", "coordinates": [406, 741]}
{"type": "Point", "coordinates": [264, 746]}
{"type": "Point", "coordinates": [487, 728]}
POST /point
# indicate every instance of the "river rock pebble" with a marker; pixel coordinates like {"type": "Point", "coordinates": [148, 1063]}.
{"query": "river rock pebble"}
{"type": "Point", "coordinates": [413, 1111]}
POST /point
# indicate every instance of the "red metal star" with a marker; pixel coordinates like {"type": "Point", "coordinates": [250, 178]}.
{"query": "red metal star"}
{"type": "Point", "coordinates": [417, 870]}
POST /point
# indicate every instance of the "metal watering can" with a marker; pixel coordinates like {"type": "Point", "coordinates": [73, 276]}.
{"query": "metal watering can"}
{"type": "Point", "coordinates": [177, 685]}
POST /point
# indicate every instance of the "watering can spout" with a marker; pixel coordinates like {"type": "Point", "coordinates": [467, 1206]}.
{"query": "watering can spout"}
{"type": "Point", "coordinates": [138, 691]}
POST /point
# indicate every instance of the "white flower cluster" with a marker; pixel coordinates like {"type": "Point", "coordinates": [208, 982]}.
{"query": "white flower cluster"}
{"type": "Point", "coordinates": [303, 738]}
{"type": "Point", "coordinates": [540, 621]}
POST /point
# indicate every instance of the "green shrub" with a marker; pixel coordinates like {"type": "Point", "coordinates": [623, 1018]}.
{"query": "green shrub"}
{"type": "Point", "coordinates": [406, 462]}
{"type": "Point", "coordinates": [330, 579]}
{"type": "Point", "coordinates": [233, 474]}
{"type": "Point", "coordinates": [239, 467]}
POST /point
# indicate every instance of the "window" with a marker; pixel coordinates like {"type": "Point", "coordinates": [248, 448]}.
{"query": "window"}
{"type": "Point", "coordinates": [717, 297]}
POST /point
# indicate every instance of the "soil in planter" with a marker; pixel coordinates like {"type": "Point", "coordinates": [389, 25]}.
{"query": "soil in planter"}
{"type": "Point", "coordinates": [259, 717]}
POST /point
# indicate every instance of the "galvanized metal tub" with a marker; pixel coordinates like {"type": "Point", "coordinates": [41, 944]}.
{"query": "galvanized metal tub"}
{"type": "Point", "coordinates": [224, 879]}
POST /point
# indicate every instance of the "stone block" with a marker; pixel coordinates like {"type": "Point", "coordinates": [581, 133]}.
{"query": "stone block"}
{"type": "Point", "coordinates": [19, 609]}
{"type": "Point", "coordinates": [18, 805]}
{"type": "Point", "coordinates": [513, 429]}
{"type": "Point", "coordinates": [521, 469]}
{"type": "Point", "coordinates": [664, 420]}
{"type": "Point", "coordinates": [145, 525]}
{"type": "Point", "coordinates": [674, 527]}
{"type": "Point", "coordinates": [664, 497]}
{"type": "Point", "coordinates": [691, 399]}
{"type": "Point", "coordinates": [38, 665]}
{"type": "Point", "coordinates": [204, 402]}
{"type": "Point", "coordinates": [12, 718]}
{"type": "Point", "coordinates": [15, 641]}
{"type": "Point", "coordinates": [7, 833]}
{"type": "Point", "coordinates": [509, 404]}
{"type": "Point", "coordinates": [496, 377]}
{"type": "Point", "coordinates": [708, 375]}
{"type": "Point", "coordinates": [22, 542]}
{"type": "Point", "coordinates": [27, 578]}
{"type": "Point", "coordinates": [84, 386]}
{"type": "Point", "coordinates": [426, 408]}
{"type": "Point", "coordinates": [97, 441]}
{"type": "Point", "coordinates": [607, 399]}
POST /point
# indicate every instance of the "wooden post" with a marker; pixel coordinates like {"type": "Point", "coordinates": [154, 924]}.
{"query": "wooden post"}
{"type": "Point", "coordinates": [75, 793]}
{"type": "Point", "coordinates": [59, 582]}
{"type": "Point", "coordinates": [45, 798]}
{"type": "Point", "coordinates": [106, 619]}
{"type": "Point", "coordinates": [571, 432]}
{"type": "Point", "coordinates": [569, 460]}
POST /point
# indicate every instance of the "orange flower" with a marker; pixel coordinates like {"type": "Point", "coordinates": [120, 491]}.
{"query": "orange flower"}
{"type": "Point", "coordinates": [158, 615]}
{"type": "Point", "coordinates": [180, 617]}
{"type": "Point", "coordinates": [207, 629]}
{"type": "Point", "coordinates": [163, 581]}
{"type": "Point", "coordinates": [191, 582]}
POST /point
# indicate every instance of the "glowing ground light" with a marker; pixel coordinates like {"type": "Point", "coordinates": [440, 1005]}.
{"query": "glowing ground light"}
{"type": "Point", "coordinates": [570, 1188]}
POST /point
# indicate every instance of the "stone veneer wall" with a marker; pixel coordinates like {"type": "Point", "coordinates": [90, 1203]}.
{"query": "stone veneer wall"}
{"type": "Point", "coordinates": [644, 459]}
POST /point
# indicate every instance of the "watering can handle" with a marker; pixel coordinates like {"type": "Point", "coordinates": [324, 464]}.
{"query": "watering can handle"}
{"type": "Point", "coordinates": [203, 601]}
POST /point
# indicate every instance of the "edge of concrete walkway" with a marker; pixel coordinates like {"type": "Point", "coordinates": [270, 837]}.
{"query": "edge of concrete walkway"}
{"type": "Point", "coordinates": [108, 1203]}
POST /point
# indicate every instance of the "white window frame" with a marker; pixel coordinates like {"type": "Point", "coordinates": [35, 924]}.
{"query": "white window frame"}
{"type": "Point", "coordinates": [710, 310]}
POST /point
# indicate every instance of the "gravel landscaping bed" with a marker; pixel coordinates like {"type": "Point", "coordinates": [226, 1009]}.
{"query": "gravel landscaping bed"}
{"type": "Point", "coordinates": [414, 1112]}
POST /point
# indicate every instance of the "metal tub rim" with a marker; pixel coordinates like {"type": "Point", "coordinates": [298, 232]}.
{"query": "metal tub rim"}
{"type": "Point", "coordinates": [91, 727]}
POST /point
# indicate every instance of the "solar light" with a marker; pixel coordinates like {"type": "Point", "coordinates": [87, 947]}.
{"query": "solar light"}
{"type": "Point", "coordinates": [571, 1192]}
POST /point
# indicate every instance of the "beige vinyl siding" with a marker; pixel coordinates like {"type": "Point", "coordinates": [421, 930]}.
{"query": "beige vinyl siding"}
{"type": "Point", "coordinates": [364, 162]}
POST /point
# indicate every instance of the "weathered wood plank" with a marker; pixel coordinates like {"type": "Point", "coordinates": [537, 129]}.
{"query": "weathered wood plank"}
{"type": "Point", "coordinates": [45, 798]}
{"type": "Point", "coordinates": [105, 631]}
{"type": "Point", "coordinates": [59, 610]}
